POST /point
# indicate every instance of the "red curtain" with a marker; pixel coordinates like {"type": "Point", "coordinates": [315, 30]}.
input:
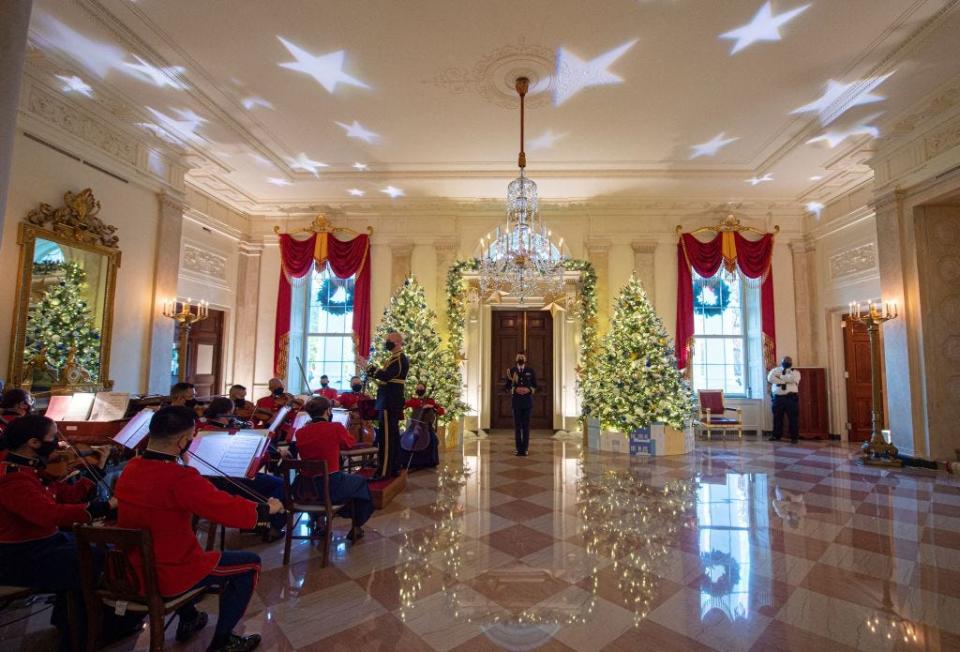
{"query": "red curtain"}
{"type": "Point", "coordinates": [733, 251]}
{"type": "Point", "coordinates": [297, 259]}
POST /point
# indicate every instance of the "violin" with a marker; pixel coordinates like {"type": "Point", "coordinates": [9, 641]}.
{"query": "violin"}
{"type": "Point", "coordinates": [64, 462]}
{"type": "Point", "coordinates": [250, 412]}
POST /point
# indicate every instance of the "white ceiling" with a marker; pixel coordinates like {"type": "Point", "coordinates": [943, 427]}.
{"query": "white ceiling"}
{"type": "Point", "coordinates": [432, 78]}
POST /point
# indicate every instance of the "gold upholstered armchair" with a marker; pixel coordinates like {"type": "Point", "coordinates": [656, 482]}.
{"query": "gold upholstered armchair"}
{"type": "Point", "coordinates": [713, 414]}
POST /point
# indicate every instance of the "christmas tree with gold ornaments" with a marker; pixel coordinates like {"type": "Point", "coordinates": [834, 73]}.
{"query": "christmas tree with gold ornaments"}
{"type": "Point", "coordinates": [633, 380]}
{"type": "Point", "coordinates": [62, 320]}
{"type": "Point", "coordinates": [431, 363]}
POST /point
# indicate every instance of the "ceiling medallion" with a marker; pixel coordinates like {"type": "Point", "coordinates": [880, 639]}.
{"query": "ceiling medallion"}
{"type": "Point", "coordinates": [520, 260]}
{"type": "Point", "coordinates": [494, 75]}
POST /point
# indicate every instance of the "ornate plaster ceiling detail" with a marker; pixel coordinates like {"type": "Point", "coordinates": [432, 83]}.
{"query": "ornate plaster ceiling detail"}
{"type": "Point", "coordinates": [494, 75]}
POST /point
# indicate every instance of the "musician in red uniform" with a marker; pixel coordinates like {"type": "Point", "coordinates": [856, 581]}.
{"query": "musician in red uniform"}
{"type": "Point", "coordinates": [183, 394]}
{"type": "Point", "coordinates": [429, 457]}
{"type": "Point", "coordinates": [219, 417]}
{"type": "Point", "coordinates": [326, 391]}
{"type": "Point", "coordinates": [350, 400]}
{"type": "Point", "coordinates": [158, 493]}
{"type": "Point", "coordinates": [33, 551]}
{"type": "Point", "coordinates": [322, 439]}
{"type": "Point", "coordinates": [422, 400]}
{"type": "Point", "coordinates": [14, 404]}
{"type": "Point", "coordinates": [276, 399]}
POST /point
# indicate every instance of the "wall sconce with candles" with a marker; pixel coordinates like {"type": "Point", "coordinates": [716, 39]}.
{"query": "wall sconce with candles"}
{"type": "Point", "coordinates": [877, 451]}
{"type": "Point", "coordinates": [186, 314]}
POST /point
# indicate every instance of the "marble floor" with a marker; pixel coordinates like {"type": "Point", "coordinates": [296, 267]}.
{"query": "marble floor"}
{"type": "Point", "coordinates": [752, 546]}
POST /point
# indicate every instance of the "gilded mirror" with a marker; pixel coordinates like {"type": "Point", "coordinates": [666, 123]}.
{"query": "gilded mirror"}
{"type": "Point", "coordinates": [64, 316]}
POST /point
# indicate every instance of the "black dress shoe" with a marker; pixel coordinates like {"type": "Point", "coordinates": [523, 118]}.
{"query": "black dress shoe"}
{"type": "Point", "coordinates": [187, 627]}
{"type": "Point", "coordinates": [522, 453]}
{"type": "Point", "coordinates": [234, 643]}
{"type": "Point", "coordinates": [355, 534]}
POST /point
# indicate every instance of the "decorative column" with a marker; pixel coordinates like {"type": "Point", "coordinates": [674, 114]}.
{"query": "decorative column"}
{"type": "Point", "coordinates": [400, 256]}
{"type": "Point", "coordinates": [644, 252]}
{"type": "Point", "coordinates": [598, 253]}
{"type": "Point", "coordinates": [14, 20]}
{"type": "Point", "coordinates": [165, 276]}
{"type": "Point", "coordinates": [446, 254]}
{"type": "Point", "coordinates": [805, 295]}
{"type": "Point", "coordinates": [248, 303]}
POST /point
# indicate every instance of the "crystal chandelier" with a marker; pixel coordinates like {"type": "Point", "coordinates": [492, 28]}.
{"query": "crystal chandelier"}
{"type": "Point", "coordinates": [520, 260]}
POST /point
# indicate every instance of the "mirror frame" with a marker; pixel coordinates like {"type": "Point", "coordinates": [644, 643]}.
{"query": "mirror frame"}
{"type": "Point", "coordinates": [75, 224]}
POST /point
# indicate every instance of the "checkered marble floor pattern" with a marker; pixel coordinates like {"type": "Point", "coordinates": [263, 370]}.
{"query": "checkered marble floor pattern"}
{"type": "Point", "coordinates": [753, 546]}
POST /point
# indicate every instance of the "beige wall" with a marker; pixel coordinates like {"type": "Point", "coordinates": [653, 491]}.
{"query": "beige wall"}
{"type": "Point", "coordinates": [41, 174]}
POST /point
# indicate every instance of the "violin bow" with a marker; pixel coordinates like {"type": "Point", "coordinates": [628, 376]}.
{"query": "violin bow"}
{"type": "Point", "coordinates": [94, 473]}
{"type": "Point", "coordinates": [303, 375]}
{"type": "Point", "coordinates": [257, 497]}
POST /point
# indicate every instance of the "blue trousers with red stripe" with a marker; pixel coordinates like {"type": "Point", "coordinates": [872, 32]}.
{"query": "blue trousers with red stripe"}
{"type": "Point", "coordinates": [236, 575]}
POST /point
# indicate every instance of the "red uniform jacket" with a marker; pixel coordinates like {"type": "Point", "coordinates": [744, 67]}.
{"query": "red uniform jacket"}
{"type": "Point", "coordinates": [416, 403]}
{"type": "Point", "coordinates": [349, 400]}
{"type": "Point", "coordinates": [327, 392]}
{"type": "Point", "coordinates": [159, 494]}
{"type": "Point", "coordinates": [323, 440]}
{"type": "Point", "coordinates": [30, 511]}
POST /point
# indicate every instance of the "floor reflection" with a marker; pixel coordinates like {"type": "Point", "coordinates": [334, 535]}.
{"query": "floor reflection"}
{"type": "Point", "coordinates": [746, 546]}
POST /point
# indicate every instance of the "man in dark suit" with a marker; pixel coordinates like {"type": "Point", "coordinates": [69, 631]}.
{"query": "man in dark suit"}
{"type": "Point", "coordinates": [390, 379]}
{"type": "Point", "coordinates": [521, 383]}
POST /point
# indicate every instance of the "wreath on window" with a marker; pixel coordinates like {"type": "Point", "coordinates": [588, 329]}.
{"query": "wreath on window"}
{"type": "Point", "coordinates": [335, 296]}
{"type": "Point", "coordinates": [721, 572]}
{"type": "Point", "coordinates": [711, 296]}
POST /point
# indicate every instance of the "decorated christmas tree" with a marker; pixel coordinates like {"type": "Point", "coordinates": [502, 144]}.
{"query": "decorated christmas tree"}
{"type": "Point", "coordinates": [431, 363]}
{"type": "Point", "coordinates": [62, 319]}
{"type": "Point", "coordinates": [633, 379]}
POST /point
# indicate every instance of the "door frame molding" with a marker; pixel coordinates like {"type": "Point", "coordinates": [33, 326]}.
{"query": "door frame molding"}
{"type": "Point", "coordinates": [478, 344]}
{"type": "Point", "coordinates": [554, 357]}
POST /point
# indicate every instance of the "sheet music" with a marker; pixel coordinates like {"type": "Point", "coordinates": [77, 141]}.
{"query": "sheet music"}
{"type": "Point", "coordinates": [136, 429]}
{"type": "Point", "coordinates": [58, 407]}
{"type": "Point", "coordinates": [278, 419]}
{"type": "Point", "coordinates": [233, 455]}
{"type": "Point", "coordinates": [299, 421]}
{"type": "Point", "coordinates": [109, 406]}
{"type": "Point", "coordinates": [341, 416]}
{"type": "Point", "coordinates": [70, 408]}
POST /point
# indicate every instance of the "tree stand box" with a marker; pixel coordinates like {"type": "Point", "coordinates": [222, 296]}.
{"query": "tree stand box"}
{"type": "Point", "coordinates": [662, 439]}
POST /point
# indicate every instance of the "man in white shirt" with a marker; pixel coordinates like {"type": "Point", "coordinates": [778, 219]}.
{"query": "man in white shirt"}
{"type": "Point", "coordinates": [784, 382]}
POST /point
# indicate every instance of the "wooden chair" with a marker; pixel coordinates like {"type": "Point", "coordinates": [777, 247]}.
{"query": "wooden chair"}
{"type": "Point", "coordinates": [712, 411]}
{"type": "Point", "coordinates": [300, 496]}
{"type": "Point", "coordinates": [120, 584]}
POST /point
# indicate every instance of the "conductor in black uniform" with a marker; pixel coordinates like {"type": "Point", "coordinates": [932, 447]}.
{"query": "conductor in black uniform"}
{"type": "Point", "coordinates": [521, 383]}
{"type": "Point", "coordinates": [390, 379]}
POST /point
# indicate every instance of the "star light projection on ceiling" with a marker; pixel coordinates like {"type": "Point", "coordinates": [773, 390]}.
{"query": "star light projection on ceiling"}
{"type": "Point", "coordinates": [277, 181]}
{"type": "Point", "coordinates": [356, 192]}
{"type": "Point", "coordinates": [712, 146]}
{"type": "Point", "coordinates": [393, 192]}
{"type": "Point", "coordinates": [73, 84]}
{"type": "Point", "coordinates": [159, 77]}
{"type": "Point", "coordinates": [357, 131]}
{"type": "Point", "coordinates": [250, 103]}
{"type": "Point", "coordinates": [834, 137]}
{"type": "Point", "coordinates": [574, 74]}
{"type": "Point", "coordinates": [545, 140]}
{"type": "Point", "coordinates": [764, 26]}
{"type": "Point", "coordinates": [360, 167]}
{"type": "Point", "coordinates": [326, 69]}
{"type": "Point", "coordinates": [177, 131]}
{"type": "Point", "coordinates": [305, 163]}
{"type": "Point", "coordinates": [856, 93]}
{"type": "Point", "coordinates": [756, 181]}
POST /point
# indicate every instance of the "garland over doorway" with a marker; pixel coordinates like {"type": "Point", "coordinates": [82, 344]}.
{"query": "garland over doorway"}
{"type": "Point", "coordinates": [586, 311]}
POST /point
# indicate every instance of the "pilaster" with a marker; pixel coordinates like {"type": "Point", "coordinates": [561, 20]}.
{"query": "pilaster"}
{"type": "Point", "coordinates": [805, 294]}
{"type": "Point", "coordinates": [401, 254]}
{"type": "Point", "coordinates": [598, 253]}
{"type": "Point", "coordinates": [644, 253]}
{"type": "Point", "coordinates": [165, 276]}
{"type": "Point", "coordinates": [248, 303]}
